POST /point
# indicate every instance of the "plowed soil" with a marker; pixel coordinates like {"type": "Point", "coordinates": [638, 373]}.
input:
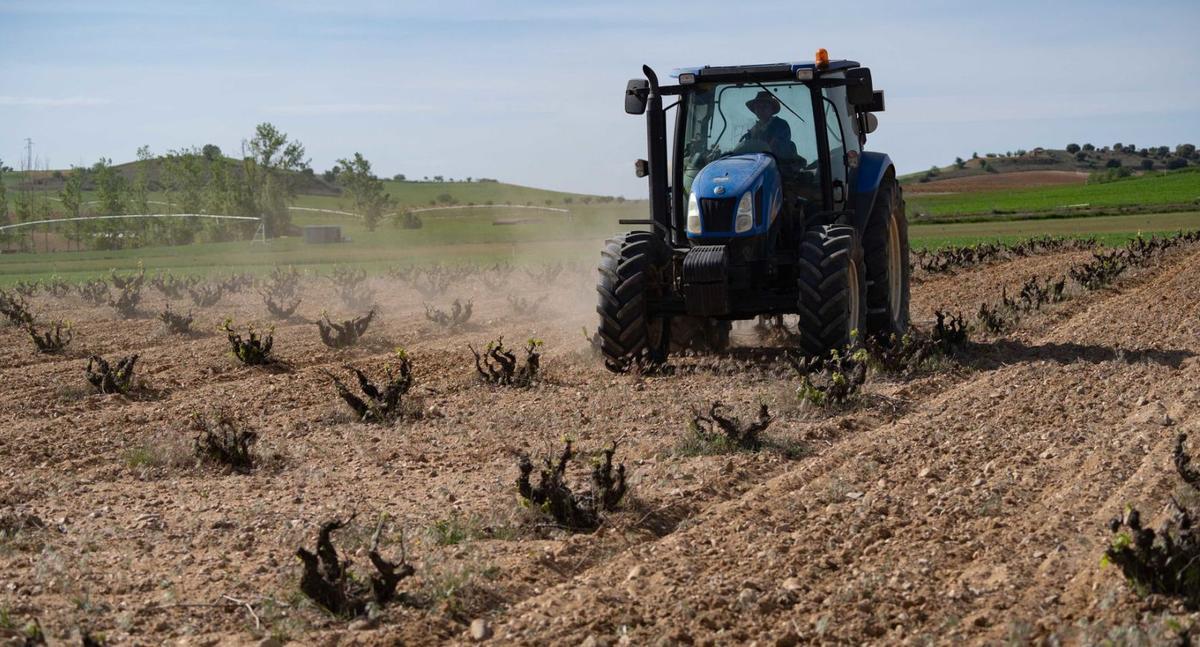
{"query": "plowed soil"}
{"type": "Point", "coordinates": [968, 503]}
{"type": "Point", "coordinates": [998, 182]}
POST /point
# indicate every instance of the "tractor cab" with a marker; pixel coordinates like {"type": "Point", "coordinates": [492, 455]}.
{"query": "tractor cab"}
{"type": "Point", "coordinates": [765, 198]}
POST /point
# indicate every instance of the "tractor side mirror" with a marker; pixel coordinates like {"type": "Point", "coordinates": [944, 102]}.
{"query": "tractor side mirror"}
{"type": "Point", "coordinates": [635, 96]}
{"type": "Point", "coordinates": [870, 123]}
{"type": "Point", "coordinates": [859, 90]}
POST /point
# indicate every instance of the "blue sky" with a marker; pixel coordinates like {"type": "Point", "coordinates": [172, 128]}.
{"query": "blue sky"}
{"type": "Point", "coordinates": [530, 92]}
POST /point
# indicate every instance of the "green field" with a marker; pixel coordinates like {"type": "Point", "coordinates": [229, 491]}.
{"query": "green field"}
{"type": "Point", "coordinates": [469, 236]}
{"type": "Point", "coordinates": [1171, 188]}
{"type": "Point", "coordinates": [1110, 230]}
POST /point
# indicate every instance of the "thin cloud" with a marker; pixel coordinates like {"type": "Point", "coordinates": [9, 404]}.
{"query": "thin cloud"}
{"type": "Point", "coordinates": [346, 108]}
{"type": "Point", "coordinates": [53, 102]}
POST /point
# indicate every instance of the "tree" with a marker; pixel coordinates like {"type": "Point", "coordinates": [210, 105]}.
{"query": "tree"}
{"type": "Point", "coordinates": [1113, 163]}
{"type": "Point", "coordinates": [438, 178]}
{"type": "Point", "coordinates": [960, 163]}
{"type": "Point", "coordinates": [211, 152]}
{"type": "Point", "coordinates": [1147, 164]}
{"type": "Point", "coordinates": [364, 188]}
{"type": "Point", "coordinates": [112, 189]}
{"type": "Point", "coordinates": [1176, 163]}
{"type": "Point", "coordinates": [185, 178]}
{"type": "Point", "coordinates": [399, 177]}
{"type": "Point", "coordinates": [1185, 151]}
{"type": "Point", "coordinates": [272, 160]}
{"type": "Point", "coordinates": [1081, 156]}
{"type": "Point", "coordinates": [1118, 147]}
{"type": "Point", "coordinates": [1072, 148]}
{"type": "Point", "coordinates": [1089, 148]}
{"type": "Point", "coordinates": [140, 188]}
{"type": "Point", "coordinates": [72, 193]}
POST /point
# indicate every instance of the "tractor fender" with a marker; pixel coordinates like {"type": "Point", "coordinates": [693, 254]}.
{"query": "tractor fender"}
{"type": "Point", "coordinates": [872, 169]}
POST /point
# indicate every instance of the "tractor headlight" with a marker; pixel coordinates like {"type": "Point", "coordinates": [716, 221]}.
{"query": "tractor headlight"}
{"type": "Point", "coordinates": [745, 214]}
{"type": "Point", "coordinates": [693, 215]}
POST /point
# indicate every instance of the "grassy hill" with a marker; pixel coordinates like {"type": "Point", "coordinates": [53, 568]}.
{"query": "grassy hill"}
{"type": "Point", "coordinates": [314, 190]}
{"type": "Point", "coordinates": [1152, 190]}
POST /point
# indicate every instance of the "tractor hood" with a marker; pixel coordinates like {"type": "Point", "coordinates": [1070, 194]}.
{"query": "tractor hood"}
{"type": "Point", "coordinates": [734, 197]}
{"type": "Point", "coordinates": [730, 177]}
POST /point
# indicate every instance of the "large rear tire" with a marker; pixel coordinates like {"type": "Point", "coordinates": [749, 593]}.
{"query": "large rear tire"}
{"type": "Point", "coordinates": [886, 256]}
{"type": "Point", "coordinates": [632, 273]}
{"type": "Point", "coordinates": [832, 302]}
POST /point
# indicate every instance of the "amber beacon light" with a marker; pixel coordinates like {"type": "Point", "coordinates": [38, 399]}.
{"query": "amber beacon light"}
{"type": "Point", "coordinates": [822, 58]}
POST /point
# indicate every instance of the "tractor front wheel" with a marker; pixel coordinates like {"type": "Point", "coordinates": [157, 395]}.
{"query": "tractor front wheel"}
{"type": "Point", "coordinates": [832, 302]}
{"type": "Point", "coordinates": [633, 272]}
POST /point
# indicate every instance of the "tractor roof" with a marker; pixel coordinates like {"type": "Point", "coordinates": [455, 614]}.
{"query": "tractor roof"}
{"type": "Point", "coordinates": [765, 72]}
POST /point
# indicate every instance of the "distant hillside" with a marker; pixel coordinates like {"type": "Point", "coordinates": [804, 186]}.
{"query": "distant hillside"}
{"type": "Point", "coordinates": [313, 187]}
{"type": "Point", "coordinates": [1072, 165]}
{"type": "Point", "coordinates": [1156, 191]}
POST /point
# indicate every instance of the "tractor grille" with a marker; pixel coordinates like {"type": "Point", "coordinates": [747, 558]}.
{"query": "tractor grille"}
{"type": "Point", "coordinates": [717, 214]}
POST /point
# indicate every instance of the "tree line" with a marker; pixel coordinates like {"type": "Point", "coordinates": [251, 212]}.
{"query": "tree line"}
{"type": "Point", "coordinates": [198, 180]}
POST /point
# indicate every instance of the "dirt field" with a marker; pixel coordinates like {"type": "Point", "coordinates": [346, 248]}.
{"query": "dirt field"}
{"type": "Point", "coordinates": [998, 182]}
{"type": "Point", "coordinates": [965, 504]}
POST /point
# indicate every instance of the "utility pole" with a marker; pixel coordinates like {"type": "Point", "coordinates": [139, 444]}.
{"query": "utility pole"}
{"type": "Point", "coordinates": [28, 155]}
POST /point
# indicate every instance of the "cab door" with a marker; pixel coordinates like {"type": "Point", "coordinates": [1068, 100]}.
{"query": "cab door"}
{"type": "Point", "coordinates": [842, 148]}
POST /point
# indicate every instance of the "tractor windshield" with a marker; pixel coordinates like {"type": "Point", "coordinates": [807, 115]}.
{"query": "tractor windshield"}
{"type": "Point", "coordinates": [728, 119]}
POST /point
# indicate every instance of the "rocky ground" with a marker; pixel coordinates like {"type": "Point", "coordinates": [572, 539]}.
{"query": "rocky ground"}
{"type": "Point", "coordinates": [966, 503]}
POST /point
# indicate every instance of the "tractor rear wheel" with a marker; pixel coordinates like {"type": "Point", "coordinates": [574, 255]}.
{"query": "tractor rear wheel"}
{"type": "Point", "coordinates": [832, 302]}
{"type": "Point", "coordinates": [633, 270]}
{"type": "Point", "coordinates": [886, 248]}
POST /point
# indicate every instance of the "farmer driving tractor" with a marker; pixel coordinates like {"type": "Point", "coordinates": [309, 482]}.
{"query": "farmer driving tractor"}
{"type": "Point", "coordinates": [769, 131]}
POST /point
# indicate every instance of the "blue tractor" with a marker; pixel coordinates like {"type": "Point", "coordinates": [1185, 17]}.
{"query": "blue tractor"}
{"type": "Point", "coordinates": [770, 207]}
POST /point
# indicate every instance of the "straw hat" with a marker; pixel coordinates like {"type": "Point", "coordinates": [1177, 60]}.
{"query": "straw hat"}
{"type": "Point", "coordinates": [764, 98]}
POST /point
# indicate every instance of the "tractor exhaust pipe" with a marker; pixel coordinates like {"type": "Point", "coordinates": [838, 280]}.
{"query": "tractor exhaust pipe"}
{"type": "Point", "coordinates": [656, 149]}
